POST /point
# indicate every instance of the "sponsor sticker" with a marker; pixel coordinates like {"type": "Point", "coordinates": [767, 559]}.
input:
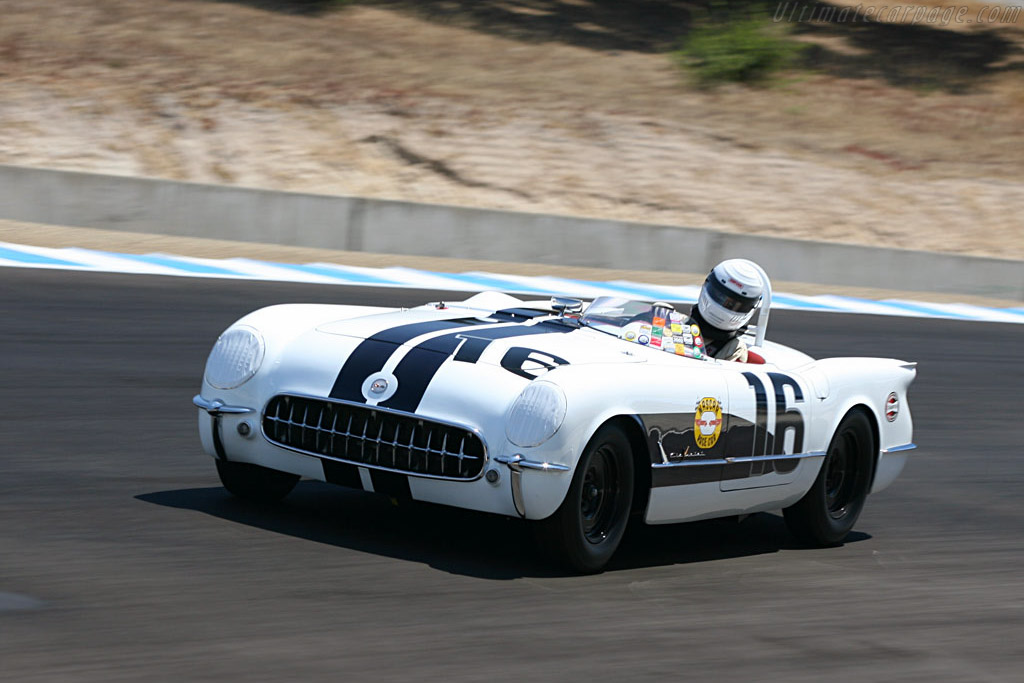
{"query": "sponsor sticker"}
{"type": "Point", "coordinates": [659, 321]}
{"type": "Point", "coordinates": [656, 341]}
{"type": "Point", "coordinates": [707, 423]}
{"type": "Point", "coordinates": [677, 328]}
{"type": "Point", "coordinates": [694, 330]}
{"type": "Point", "coordinates": [643, 339]}
{"type": "Point", "coordinates": [630, 336]}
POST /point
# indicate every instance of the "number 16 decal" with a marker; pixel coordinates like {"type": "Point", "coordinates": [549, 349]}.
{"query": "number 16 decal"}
{"type": "Point", "coordinates": [773, 440]}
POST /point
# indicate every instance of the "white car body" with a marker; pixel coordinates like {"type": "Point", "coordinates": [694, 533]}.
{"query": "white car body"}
{"type": "Point", "coordinates": [776, 423]}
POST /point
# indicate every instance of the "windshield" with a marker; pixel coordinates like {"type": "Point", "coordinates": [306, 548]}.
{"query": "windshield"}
{"type": "Point", "coordinates": [642, 322]}
{"type": "Point", "coordinates": [611, 314]}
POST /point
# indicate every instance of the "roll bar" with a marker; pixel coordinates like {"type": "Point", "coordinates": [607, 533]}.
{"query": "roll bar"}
{"type": "Point", "coordinates": [766, 304]}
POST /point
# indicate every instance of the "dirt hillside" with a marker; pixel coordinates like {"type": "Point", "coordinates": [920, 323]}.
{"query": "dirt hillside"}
{"type": "Point", "coordinates": [905, 136]}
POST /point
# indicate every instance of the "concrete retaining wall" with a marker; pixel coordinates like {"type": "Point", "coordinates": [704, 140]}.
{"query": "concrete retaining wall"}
{"type": "Point", "coordinates": [373, 225]}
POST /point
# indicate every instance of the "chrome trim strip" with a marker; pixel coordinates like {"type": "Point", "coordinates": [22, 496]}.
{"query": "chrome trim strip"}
{"type": "Point", "coordinates": [514, 461]}
{"type": "Point", "coordinates": [899, 449]}
{"type": "Point", "coordinates": [218, 407]}
{"type": "Point", "coordinates": [740, 460]}
{"type": "Point", "coordinates": [449, 423]}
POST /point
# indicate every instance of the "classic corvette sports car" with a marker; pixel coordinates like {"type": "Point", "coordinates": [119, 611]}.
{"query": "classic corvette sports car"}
{"type": "Point", "coordinates": [567, 415]}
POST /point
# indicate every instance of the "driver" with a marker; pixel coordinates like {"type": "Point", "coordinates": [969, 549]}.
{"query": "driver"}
{"type": "Point", "coordinates": [728, 299]}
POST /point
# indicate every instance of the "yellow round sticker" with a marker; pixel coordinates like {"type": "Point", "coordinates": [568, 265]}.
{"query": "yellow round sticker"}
{"type": "Point", "coordinates": [707, 423]}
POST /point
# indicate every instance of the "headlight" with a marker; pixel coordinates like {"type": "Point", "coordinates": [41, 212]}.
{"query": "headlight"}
{"type": "Point", "coordinates": [235, 358]}
{"type": "Point", "coordinates": [536, 415]}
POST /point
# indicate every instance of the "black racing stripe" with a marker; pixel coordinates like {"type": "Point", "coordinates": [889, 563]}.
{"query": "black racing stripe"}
{"type": "Point", "coordinates": [414, 373]}
{"type": "Point", "coordinates": [476, 342]}
{"type": "Point", "coordinates": [518, 314]}
{"type": "Point", "coordinates": [391, 484]}
{"type": "Point", "coordinates": [371, 354]}
{"type": "Point", "coordinates": [419, 366]}
{"type": "Point", "coordinates": [342, 474]}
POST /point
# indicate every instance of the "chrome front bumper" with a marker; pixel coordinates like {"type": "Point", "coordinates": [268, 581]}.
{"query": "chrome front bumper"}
{"type": "Point", "coordinates": [218, 407]}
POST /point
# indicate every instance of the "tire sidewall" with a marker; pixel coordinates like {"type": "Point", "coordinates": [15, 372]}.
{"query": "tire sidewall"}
{"type": "Point", "coordinates": [565, 529]}
{"type": "Point", "coordinates": [810, 519]}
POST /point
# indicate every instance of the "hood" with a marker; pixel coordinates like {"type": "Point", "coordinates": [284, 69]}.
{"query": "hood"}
{"type": "Point", "coordinates": [495, 339]}
{"type": "Point", "coordinates": [435, 363]}
{"type": "Point", "coordinates": [447, 363]}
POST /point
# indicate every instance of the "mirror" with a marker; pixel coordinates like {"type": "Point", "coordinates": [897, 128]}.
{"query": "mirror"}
{"type": "Point", "coordinates": [564, 305]}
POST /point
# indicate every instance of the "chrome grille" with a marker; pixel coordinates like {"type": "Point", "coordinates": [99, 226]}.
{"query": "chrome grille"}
{"type": "Point", "coordinates": [373, 437]}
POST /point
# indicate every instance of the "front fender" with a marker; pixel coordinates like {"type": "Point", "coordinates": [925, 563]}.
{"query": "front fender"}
{"type": "Point", "coordinates": [596, 394]}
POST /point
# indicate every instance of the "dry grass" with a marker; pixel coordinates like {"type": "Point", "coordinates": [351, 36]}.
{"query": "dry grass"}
{"type": "Point", "coordinates": [407, 101]}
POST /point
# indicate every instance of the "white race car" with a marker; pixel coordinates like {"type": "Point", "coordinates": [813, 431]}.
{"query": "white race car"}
{"type": "Point", "coordinates": [574, 418]}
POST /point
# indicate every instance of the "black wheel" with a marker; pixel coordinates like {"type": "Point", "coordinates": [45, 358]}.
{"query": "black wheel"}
{"type": "Point", "coordinates": [827, 513]}
{"type": "Point", "coordinates": [587, 528]}
{"type": "Point", "coordinates": [255, 483]}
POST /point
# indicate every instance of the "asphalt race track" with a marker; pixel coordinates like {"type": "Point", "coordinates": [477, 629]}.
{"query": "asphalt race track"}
{"type": "Point", "coordinates": [121, 557]}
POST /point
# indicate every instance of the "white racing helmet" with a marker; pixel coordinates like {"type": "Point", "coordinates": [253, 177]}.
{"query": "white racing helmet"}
{"type": "Point", "coordinates": [731, 294]}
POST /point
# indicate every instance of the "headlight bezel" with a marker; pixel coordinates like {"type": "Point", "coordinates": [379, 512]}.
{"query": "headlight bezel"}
{"type": "Point", "coordinates": [235, 359]}
{"type": "Point", "coordinates": [536, 415]}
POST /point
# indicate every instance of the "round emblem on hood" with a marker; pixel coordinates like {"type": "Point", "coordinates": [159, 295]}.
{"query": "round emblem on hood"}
{"type": "Point", "coordinates": [380, 386]}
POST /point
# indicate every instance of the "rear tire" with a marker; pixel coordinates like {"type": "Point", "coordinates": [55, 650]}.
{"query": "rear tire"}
{"type": "Point", "coordinates": [827, 513]}
{"type": "Point", "coordinates": [255, 483]}
{"type": "Point", "coordinates": [587, 528]}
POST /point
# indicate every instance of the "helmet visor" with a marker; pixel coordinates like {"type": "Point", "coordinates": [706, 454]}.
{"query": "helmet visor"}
{"type": "Point", "coordinates": [728, 299]}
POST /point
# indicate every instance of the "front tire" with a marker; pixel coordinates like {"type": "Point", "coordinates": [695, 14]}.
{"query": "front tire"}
{"type": "Point", "coordinates": [255, 483]}
{"type": "Point", "coordinates": [828, 511]}
{"type": "Point", "coordinates": [587, 528]}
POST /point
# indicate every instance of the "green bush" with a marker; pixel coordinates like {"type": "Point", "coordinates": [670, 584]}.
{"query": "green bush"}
{"type": "Point", "coordinates": [743, 50]}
